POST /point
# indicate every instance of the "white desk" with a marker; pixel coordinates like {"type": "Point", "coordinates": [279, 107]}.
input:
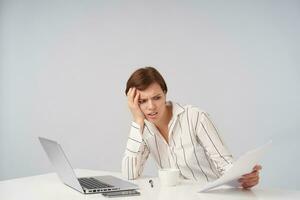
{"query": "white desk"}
{"type": "Point", "coordinates": [48, 186]}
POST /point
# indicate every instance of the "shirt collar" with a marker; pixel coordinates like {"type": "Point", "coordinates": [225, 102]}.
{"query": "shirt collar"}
{"type": "Point", "coordinates": [176, 109]}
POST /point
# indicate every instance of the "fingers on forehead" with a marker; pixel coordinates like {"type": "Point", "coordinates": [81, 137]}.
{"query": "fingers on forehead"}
{"type": "Point", "coordinates": [137, 96]}
{"type": "Point", "coordinates": [133, 90]}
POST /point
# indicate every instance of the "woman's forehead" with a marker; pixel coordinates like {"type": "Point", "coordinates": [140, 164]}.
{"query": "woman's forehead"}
{"type": "Point", "coordinates": [151, 91]}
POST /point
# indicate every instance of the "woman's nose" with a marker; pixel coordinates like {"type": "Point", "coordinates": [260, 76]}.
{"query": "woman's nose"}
{"type": "Point", "coordinates": [151, 105]}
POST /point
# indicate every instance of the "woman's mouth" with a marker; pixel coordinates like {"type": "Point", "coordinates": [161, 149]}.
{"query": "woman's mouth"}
{"type": "Point", "coordinates": [152, 115]}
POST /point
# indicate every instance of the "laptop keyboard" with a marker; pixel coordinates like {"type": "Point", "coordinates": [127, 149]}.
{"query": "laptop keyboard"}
{"type": "Point", "coordinates": [92, 183]}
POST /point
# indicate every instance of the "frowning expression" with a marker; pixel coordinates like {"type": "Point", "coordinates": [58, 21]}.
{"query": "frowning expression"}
{"type": "Point", "coordinates": [152, 102]}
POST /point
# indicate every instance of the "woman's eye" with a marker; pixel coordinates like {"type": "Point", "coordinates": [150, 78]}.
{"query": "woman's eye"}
{"type": "Point", "coordinates": [141, 101]}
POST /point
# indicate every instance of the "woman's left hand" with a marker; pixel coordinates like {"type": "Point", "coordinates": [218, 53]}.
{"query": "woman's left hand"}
{"type": "Point", "coordinates": [249, 180]}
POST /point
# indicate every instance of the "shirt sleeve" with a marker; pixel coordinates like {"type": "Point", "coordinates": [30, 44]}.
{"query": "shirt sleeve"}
{"type": "Point", "coordinates": [136, 153]}
{"type": "Point", "coordinates": [213, 145]}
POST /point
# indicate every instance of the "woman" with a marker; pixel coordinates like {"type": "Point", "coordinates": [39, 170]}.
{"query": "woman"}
{"type": "Point", "coordinates": [177, 136]}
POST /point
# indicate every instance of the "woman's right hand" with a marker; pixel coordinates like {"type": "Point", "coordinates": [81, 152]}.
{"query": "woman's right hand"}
{"type": "Point", "coordinates": [133, 104]}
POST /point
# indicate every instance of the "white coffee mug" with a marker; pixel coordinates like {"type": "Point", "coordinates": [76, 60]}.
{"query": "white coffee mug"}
{"type": "Point", "coordinates": [168, 177]}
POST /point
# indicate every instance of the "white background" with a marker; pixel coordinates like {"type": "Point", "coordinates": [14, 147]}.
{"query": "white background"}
{"type": "Point", "coordinates": [64, 66]}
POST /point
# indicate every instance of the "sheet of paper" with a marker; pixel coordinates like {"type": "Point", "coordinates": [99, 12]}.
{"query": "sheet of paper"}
{"type": "Point", "coordinates": [243, 165]}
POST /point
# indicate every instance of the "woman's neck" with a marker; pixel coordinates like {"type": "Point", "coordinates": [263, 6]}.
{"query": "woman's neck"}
{"type": "Point", "coordinates": [166, 117]}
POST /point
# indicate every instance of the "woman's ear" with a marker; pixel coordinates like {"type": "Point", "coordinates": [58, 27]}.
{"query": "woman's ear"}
{"type": "Point", "coordinates": [165, 93]}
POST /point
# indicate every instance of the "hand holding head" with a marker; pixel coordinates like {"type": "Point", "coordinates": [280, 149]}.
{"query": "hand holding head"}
{"type": "Point", "coordinates": [146, 91]}
{"type": "Point", "coordinates": [133, 104]}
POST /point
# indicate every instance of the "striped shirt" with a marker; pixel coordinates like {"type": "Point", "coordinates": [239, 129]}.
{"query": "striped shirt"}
{"type": "Point", "coordinates": [194, 146]}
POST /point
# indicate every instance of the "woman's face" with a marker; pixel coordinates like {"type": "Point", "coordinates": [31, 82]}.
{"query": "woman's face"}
{"type": "Point", "coordinates": [152, 102]}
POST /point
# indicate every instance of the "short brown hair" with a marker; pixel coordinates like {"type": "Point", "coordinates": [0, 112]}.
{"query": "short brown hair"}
{"type": "Point", "coordinates": [143, 77]}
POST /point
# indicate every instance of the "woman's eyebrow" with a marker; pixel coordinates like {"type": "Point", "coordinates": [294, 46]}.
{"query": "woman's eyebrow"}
{"type": "Point", "coordinates": [156, 95]}
{"type": "Point", "coordinates": [151, 97]}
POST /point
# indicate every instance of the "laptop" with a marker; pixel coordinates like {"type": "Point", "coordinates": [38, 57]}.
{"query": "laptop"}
{"type": "Point", "coordinates": [85, 185]}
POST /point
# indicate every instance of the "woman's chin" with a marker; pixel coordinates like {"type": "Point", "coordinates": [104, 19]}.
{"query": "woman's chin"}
{"type": "Point", "coordinates": [152, 120]}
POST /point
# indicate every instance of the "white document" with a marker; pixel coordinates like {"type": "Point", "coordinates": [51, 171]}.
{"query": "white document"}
{"type": "Point", "coordinates": [243, 165]}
